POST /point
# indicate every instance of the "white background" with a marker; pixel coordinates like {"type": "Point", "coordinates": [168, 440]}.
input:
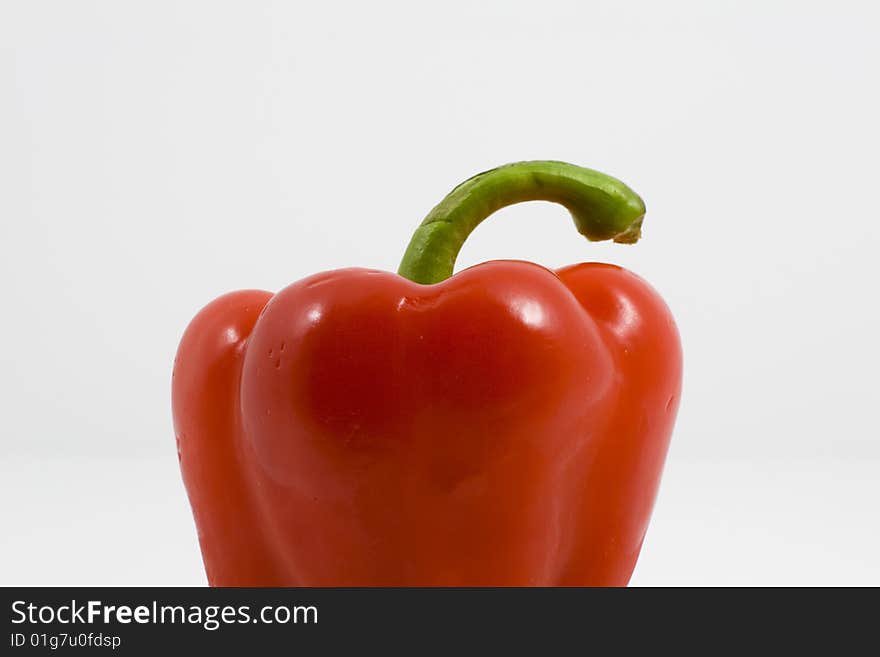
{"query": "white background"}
{"type": "Point", "coordinates": [155, 155]}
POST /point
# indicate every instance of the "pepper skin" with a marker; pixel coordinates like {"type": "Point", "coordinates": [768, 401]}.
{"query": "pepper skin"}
{"type": "Point", "coordinates": [505, 426]}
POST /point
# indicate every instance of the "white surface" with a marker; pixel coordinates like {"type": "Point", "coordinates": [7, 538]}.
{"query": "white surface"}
{"type": "Point", "coordinates": [155, 155]}
{"type": "Point", "coordinates": [120, 521]}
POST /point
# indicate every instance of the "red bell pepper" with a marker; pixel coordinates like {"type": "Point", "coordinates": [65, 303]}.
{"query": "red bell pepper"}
{"type": "Point", "coordinates": [504, 426]}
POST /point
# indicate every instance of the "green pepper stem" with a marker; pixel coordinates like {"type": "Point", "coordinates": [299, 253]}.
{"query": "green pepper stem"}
{"type": "Point", "coordinates": [603, 208]}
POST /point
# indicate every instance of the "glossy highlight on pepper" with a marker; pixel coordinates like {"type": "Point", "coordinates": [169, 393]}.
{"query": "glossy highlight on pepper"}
{"type": "Point", "coordinates": [506, 425]}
